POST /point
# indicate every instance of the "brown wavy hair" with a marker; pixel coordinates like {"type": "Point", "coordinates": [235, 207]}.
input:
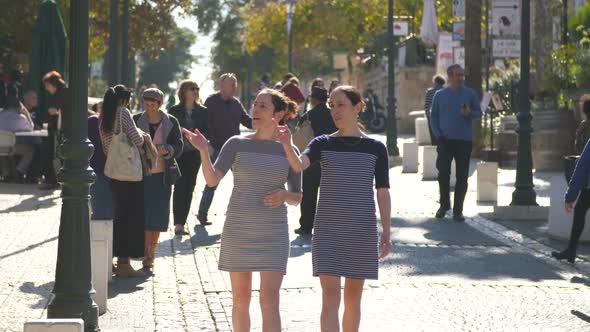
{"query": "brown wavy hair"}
{"type": "Point", "coordinates": [185, 85]}
{"type": "Point", "coordinates": [54, 78]}
{"type": "Point", "coordinates": [281, 103]}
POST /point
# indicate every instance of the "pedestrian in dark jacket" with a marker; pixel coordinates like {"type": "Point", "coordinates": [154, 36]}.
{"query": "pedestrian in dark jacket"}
{"type": "Point", "coordinates": [322, 124]}
{"type": "Point", "coordinates": [578, 192]}
{"type": "Point", "coordinates": [225, 114]}
{"type": "Point", "coordinates": [191, 114]}
{"type": "Point", "coordinates": [55, 86]}
{"type": "Point", "coordinates": [157, 185]}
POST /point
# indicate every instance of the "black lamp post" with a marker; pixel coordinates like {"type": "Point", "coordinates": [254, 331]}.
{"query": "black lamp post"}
{"type": "Point", "coordinates": [524, 194]}
{"type": "Point", "coordinates": [125, 63]}
{"type": "Point", "coordinates": [113, 53]}
{"type": "Point", "coordinates": [73, 285]}
{"type": "Point", "coordinates": [290, 12]}
{"type": "Point", "coordinates": [392, 148]}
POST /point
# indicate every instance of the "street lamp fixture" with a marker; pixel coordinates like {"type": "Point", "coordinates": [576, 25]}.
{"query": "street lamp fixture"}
{"type": "Point", "coordinates": [290, 12]}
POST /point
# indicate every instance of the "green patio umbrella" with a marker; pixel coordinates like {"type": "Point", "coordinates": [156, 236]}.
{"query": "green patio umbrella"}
{"type": "Point", "coordinates": [48, 51]}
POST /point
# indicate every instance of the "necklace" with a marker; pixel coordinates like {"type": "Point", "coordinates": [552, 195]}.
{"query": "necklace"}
{"type": "Point", "coordinates": [354, 143]}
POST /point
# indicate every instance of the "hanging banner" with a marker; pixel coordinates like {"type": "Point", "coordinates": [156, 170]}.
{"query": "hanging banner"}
{"type": "Point", "coordinates": [506, 18]}
{"type": "Point", "coordinates": [444, 52]}
{"type": "Point", "coordinates": [458, 8]}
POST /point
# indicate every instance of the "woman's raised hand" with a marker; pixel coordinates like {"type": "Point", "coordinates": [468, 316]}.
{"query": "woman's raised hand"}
{"type": "Point", "coordinates": [283, 134]}
{"type": "Point", "coordinates": [196, 139]}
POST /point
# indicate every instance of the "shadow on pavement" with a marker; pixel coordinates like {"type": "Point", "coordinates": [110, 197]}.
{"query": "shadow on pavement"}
{"type": "Point", "coordinates": [202, 237]}
{"type": "Point", "coordinates": [581, 316]}
{"type": "Point", "coordinates": [300, 246]}
{"type": "Point", "coordinates": [43, 291]}
{"type": "Point", "coordinates": [471, 263]}
{"type": "Point", "coordinates": [32, 203]}
{"type": "Point", "coordinates": [30, 247]}
{"type": "Point", "coordinates": [579, 280]}
{"type": "Point", "coordinates": [126, 285]}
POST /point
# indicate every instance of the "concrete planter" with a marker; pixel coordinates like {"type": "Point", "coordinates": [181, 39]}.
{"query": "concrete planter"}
{"type": "Point", "coordinates": [552, 139]}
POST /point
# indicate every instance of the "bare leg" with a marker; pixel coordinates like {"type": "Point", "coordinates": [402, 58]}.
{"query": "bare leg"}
{"type": "Point", "coordinates": [270, 286]}
{"type": "Point", "coordinates": [330, 303]}
{"type": "Point", "coordinates": [241, 286]}
{"type": "Point", "coordinates": [353, 291]}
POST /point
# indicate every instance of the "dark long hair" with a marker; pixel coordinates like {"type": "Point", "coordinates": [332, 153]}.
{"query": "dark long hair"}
{"type": "Point", "coordinates": [110, 103]}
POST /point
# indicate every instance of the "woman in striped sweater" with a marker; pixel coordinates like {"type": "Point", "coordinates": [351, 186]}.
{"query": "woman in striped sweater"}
{"type": "Point", "coordinates": [128, 221]}
{"type": "Point", "coordinates": [255, 235]}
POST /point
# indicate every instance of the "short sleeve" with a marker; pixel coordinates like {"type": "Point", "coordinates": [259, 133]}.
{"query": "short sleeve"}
{"type": "Point", "coordinates": [314, 149]}
{"type": "Point", "coordinates": [381, 167]}
{"type": "Point", "coordinates": [294, 178]}
{"type": "Point", "coordinates": [227, 155]}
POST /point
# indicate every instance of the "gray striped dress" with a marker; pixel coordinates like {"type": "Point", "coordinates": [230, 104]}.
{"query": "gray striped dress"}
{"type": "Point", "coordinates": [255, 238]}
{"type": "Point", "coordinates": [345, 239]}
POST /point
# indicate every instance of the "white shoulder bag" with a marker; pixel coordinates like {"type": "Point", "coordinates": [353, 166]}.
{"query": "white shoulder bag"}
{"type": "Point", "coordinates": [123, 160]}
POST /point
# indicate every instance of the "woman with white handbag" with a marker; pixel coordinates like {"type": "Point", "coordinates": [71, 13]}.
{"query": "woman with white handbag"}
{"type": "Point", "coordinates": [121, 139]}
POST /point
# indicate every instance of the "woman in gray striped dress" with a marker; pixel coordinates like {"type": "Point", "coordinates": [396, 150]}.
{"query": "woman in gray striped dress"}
{"type": "Point", "coordinates": [255, 235]}
{"type": "Point", "coordinates": [351, 164]}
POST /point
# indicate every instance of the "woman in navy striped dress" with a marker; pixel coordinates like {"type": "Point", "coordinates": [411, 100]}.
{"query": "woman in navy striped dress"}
{"type": "Point", "coordinates": [345, 242]}
{"type": "Point", "coordinates": [255, 235]}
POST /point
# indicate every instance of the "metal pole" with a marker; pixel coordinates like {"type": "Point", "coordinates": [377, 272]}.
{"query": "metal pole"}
{"type": "Point", "coordinates": [114, 43]}
{"type": "Point", "coordinates": [391, 101]}
{"type": "Point", "coordinates": [290, 12]}
{"type": "Point", "coordinates": [73, 285]}
{"type": "Point", "coordinates": [125, 69]}
{"type": "Point", "coordinates": [524, 194]}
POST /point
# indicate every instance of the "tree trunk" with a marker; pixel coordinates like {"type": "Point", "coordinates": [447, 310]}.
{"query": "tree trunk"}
{"type": "Point", "coordinates": [473, 60]}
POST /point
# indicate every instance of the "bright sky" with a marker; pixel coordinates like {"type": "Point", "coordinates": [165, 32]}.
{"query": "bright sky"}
{"type": "Point", "coordinates": [201, 70]}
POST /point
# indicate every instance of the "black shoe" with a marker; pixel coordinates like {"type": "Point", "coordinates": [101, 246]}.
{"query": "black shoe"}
{"type": "Point", "coordinates": [567, 254]}
{"type": "Point", "coordinates": [303, 231]}
{"type": "Point", "coordinates": [181, 232]}
{"type": "Point", "coordinates": [203, 221]}
{"type": "Point", "coordinates": [441, 213]}
{"type": "Point", "coordinates": [458, 217]}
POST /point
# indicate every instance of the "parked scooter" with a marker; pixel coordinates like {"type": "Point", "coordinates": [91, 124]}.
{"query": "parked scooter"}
{"type": "Point", "coordinates": [373, 118]}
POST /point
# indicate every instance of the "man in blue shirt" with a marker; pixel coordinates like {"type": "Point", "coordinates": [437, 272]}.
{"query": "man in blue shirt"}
{"type": "Point", "coordinates": [453, 110]}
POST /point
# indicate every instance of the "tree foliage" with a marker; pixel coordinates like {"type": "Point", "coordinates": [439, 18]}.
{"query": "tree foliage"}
{"type": "Point", "coordinates": [170, 65]}
{"type": "Point", "coordinates": [150, 24]}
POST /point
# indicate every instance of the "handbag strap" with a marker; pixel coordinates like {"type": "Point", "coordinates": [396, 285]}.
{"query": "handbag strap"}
{"type": "Point", "coordinates": [120, 111]}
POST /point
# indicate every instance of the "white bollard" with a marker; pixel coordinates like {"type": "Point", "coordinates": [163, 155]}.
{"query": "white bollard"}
{"type": "Point", "coordinates": [487, 182]}
{"type": "Point", "coordinates": [560, 222]}
{"type": "Point", "coordinates": [410, 158]}
{"type": "Point", "coordinates": [55, 325]}
{"type": "Point", "coordinates": [101, 239]}
{"type": "Point", "coordinates": [422, 132]}
{"type": "Point", "coordinates": [429, 171]}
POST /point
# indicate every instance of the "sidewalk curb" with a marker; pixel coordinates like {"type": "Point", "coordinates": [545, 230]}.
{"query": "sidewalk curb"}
{"type": "Point", "coordinates": [525, 244]}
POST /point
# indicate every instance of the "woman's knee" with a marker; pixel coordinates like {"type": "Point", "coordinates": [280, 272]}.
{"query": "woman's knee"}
{"type": "Point", "coordinates": [269, 298]}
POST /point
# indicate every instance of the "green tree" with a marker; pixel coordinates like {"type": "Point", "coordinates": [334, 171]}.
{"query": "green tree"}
{"type": "Point", "coordinates": [171, 65]}
{"type": "Point", "coordinates": [148, 18]}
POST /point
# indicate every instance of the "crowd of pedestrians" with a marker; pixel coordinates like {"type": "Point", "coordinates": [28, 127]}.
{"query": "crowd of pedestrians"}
{"type": "Point", "coordinates": [318, 158]}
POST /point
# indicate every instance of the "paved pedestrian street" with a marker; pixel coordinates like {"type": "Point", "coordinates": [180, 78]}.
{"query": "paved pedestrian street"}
{"type": "Point", "coordinates": [440, 276]}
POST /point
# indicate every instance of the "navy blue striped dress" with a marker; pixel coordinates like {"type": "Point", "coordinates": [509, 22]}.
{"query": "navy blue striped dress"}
{"type": "Point", "coordinates": [345, 239]}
